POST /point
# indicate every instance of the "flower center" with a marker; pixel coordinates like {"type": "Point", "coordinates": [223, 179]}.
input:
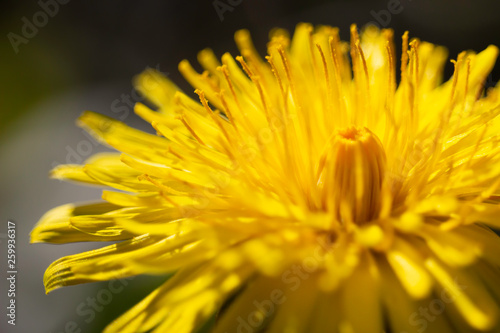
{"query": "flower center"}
{"type": "Point", "coordinates": [350, 175]}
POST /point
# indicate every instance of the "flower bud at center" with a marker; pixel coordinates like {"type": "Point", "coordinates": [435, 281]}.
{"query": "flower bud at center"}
{"type": "Point", "coordinates": [351, 173]}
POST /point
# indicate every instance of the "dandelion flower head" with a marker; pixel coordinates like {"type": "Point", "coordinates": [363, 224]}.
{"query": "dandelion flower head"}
{"type": "Point", "coordinates": [311, 190]}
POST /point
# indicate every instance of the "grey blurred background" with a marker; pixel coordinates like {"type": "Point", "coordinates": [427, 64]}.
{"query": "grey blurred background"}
{"type": "Point", "coordinates": [83, 56]}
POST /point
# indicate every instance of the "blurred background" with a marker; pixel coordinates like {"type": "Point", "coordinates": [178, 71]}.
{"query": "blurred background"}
{"type": "Point", "coordinates": [59, 58]}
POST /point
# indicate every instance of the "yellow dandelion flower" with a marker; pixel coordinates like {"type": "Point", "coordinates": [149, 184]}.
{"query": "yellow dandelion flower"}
{"type": "Point", "coordinates": [304, 192]}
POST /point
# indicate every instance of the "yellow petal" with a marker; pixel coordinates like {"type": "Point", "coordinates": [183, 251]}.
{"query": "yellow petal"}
{"type": "Point", "coordinates": [408, 265]}
{"type": "Point", "coordinates": [55, 225]}
{"type": "Point", "coordinates": [469, 296]}
{"type": "Point", "coordinates": [361, 298]}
